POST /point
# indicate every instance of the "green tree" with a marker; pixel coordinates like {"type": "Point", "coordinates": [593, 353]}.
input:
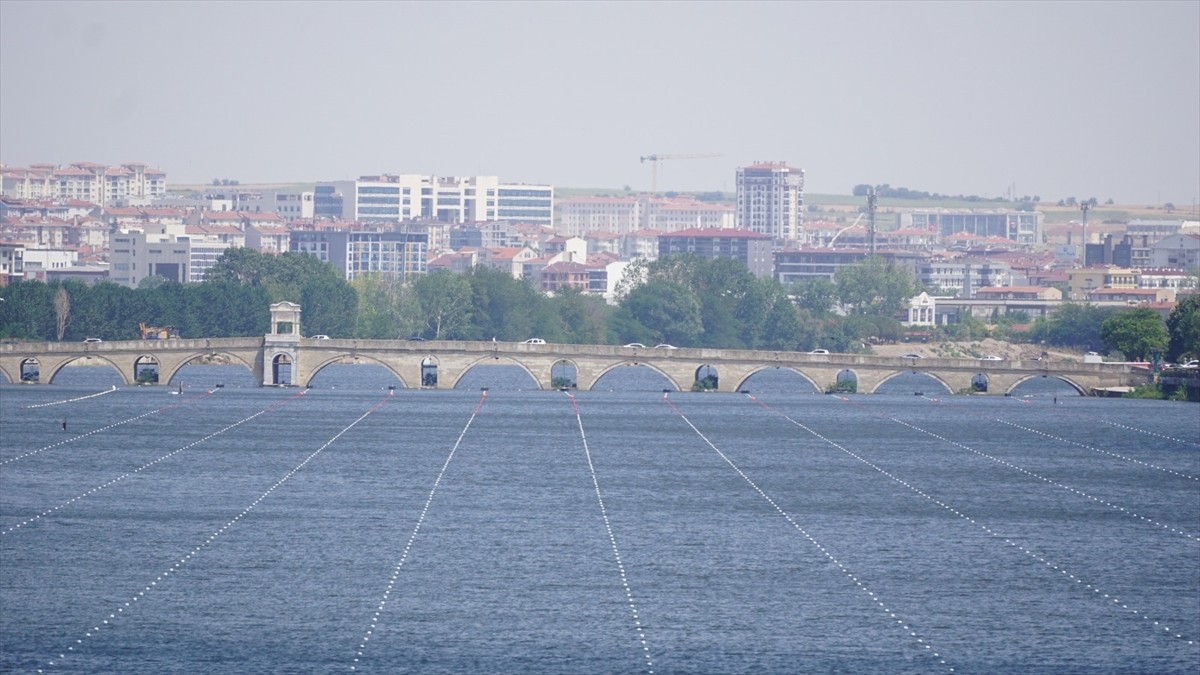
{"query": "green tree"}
{"type": "Point", "coordinates": [584, 317]}
{"type": "Point", "coordinates": [240, 266]}
{"type": "Point", "coordinates": [379, 307]}
{"type": "Point", "coordinates": [875, 286]}
{"type": "Point", "coordinates": [622, 328]}
{"type": "Point", "coordinates": [224, 310]}
{"type": "Point", "coordinates": [27, 312]}
{"type": "Point", "coordinates": [1074, 325]}
{"type": "Point", "coordinates": [1183, 327]}
{"type": "Point", "coordinates": [1136, 333]}
{"type": "Point", "coordinates": [668, 310]}
{"type": "Point", "coordinates": [329, 306]}
{"type": "Point", "coordinates": [734, 304]}
{"type": "Point", "coordinates": [444, 305]}
{"type": "Point", "coordinates": [153, 281]}
{"type": "Point", "coordinates": [547, 324]}
{"type": "Point", "coordinates": [106, 310]}
{"type": "Point", "coordinates": [966, 328]}
{"type": "Point", "coordinates": [818, 295]}
{"type": "Point", "coordinates": [503, 307]}
{"type": "Point", "coordinates": [785, 327]}
{"type": "Point", "coordinates": [753, 307]}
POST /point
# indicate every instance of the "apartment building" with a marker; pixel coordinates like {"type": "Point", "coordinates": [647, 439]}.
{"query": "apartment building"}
{"type": "Point", "coordinates": [289, 204]}
{"type": "Point", "coordinates": [86, 181]}
{"type": "Point", "coordinates": [640, 244]}
{"type": "Point", "coordinates": [963, 277]}
{"type": "Point", "coordinates": [1181, 251]}
{"type": "Point", "coordinates": [794, 265]}
{"type": "Point", "coordinates": [563, 274]}
{"type": "Point", "coordinates": [672, 215]}
{"type": "Point", "coordinates": [1083, 281]}
{"type": "Point", "coordinates": [604, 275]}
{"type": "Point", "coordinates": [603, 242]}
{"type": "Point", "coordinates": [493, 234]}
{"type": "Point", "coordinates": [12, 263]}
{"type": "Point", "coordinates": [397, 255]}
{"type": "Point", "coordinates": [578, 216]}
{"type": "Point", "coordinates": [1018, 293]}
{"type": "Point", "coordinates": [752, 249]}
{"type": "Point", "coordinates": [1175, 278]}
{"type": "Point", "coordinates": [35, 182]}
{"type": "Point", "coordinates": [509, 259]}
{"type": "Point", "coordinates": [770, 200]}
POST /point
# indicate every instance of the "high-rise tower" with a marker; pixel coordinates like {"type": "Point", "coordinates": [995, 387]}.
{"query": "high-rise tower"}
{"type": "Point", "coordinates": [770, 199]}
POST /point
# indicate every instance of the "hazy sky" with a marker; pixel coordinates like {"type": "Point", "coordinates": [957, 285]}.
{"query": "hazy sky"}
{"type": "Point", "coordinates": [1059, 98]}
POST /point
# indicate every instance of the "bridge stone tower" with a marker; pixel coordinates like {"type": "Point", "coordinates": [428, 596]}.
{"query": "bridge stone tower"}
{"type": "Point", "coordinates": [281, 346]}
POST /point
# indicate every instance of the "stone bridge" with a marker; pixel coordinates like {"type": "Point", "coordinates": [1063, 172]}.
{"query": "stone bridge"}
{"type": "Point", "coordinates": [292, 360]}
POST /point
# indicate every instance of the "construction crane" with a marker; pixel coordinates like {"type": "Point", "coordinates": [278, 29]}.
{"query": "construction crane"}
{"type": "Point", "coordinates": [655, 159]}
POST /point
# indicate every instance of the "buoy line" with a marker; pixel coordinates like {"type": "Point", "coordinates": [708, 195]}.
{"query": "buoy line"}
{"type": "Point", "coordinates": [387, 593]}
{"type": "Point", "coordinates": [72, 400]}
{"type": "Point", "coordinates": [903, 623]}
{"type": "Point", "coordinates": [1102, 451]}
{"type": "Point", "coordinates": [1151, 433]}
{"type": "Point", "coordinates": [1027, 551]}
{"type": "Point", "coordinates": [1119, 508]}
{"type": "Point", "coordinates": [143, 467]}
{"type": "Point", "coordinates": [612, 539]}
{"type": "Point", "coordinates": [1081, 414]}
{"type": "Point", "coordinates": [72, 439]}
{"type": "Point", "coordinates": [132, 602]}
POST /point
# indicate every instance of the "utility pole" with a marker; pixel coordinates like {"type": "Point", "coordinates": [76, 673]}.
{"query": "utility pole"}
{"type": "Point", "coordinates": [871, 221]}
{"type": "Point", "coordinates": [1083, 206]}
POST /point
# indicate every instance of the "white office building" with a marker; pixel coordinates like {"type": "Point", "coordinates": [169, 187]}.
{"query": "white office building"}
{"type": "Point", "coordinates": [452, 199]}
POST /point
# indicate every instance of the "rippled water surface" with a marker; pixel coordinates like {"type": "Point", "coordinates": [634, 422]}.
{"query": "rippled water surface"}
{"type": "Point", "coordinates": [243, 529]}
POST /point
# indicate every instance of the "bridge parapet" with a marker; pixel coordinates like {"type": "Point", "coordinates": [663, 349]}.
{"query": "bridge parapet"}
{"type": "Point", "coordinates": [454, 358]}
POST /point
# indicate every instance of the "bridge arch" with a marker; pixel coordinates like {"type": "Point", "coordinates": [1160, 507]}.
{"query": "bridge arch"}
{"type": "Point", "coordinates": [564, 372]}
{"type": "Point", "coordinates": [429, 372]}
{"type": "Point", "coordinates": [801, 373]}
{"type": "Point", "coordinates": [29, 368]}
{"type": "Point", "coordinates": [614, 366]}
{"type": "Point", "coordinates": [147, 369]}
{"type": "Point", "coordinates": [57, 368]}
{"type": "Point", "coordinates": [980, 382]}
{"type": "Point", "coordinates": [846, 380]}
{"type": "Point", "coordinates": [706, 378]}
{"type": "Point", "coordinates": [312, 372]}
{"type": "Point", "coordinates": [172, 371]}
{"type": "Point", "coordinates": [932, 376]}
{"type": "Point", "coordinates": [275, 364]}
{"type": "Point", "coordinates": [1066, 380]}
{"type": "Point", "coordinates": [495, 360]}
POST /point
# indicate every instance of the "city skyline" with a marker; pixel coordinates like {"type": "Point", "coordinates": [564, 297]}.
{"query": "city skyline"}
{"type": "Point", "coordinates": [1088, 99]}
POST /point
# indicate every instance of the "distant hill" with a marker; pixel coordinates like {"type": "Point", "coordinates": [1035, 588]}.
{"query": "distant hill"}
{"type": "Point", "coordinates": [1054, 215]}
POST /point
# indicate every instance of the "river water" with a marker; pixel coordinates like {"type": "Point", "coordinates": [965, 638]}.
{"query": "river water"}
{"type": "Point", "coordinates": [350, 528]}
